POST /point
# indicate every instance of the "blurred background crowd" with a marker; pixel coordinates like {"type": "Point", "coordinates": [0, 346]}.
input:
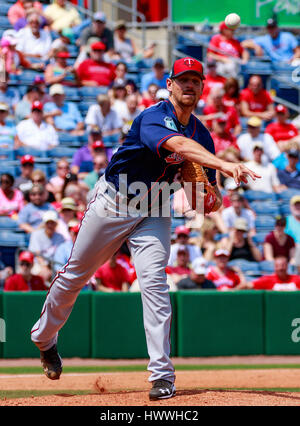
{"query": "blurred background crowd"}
{"type": "Point", "coordinates": [70, 89]}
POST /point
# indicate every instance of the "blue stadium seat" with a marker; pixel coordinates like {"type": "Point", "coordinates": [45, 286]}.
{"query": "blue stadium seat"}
{"type": "Point", "coordinates": [23, 150]}
{"type": "Point", "coordinates": [92, 92]}
{"type": "Point", "coordinates": [68, 140]}
{"type": "Point", "coordinates": [286, 195]}
{"type": "Point", "coordinates": [62, 151]}
{"type": "Point", "coordinates": [4, 23]}
{"type": "Point", "coordinates": [4, 8]}
{"type": "Point", "coordinates": [267, 267]}
{"type": "Point", "coordinates": [12, 239]}
{"type": "Point", "coordinates": [111, 139]}
{"type": "Point", "coordinates": [247, 267]}
{"type": "Point", "coordinates": [7, 153]}
{"type": "Point", "coordinates": [259, 238]}
{"type": "Point", "coordinates": [264, 223]}
{"type": "Point", "coordinates": [7, 223]}
{"type": "Point", "coordinates": [12, 170]}
{"type": "Point", "coordinates": [84, 106]}
{"type": "Point", "coordinates": [27, 77]}
{"type": "Point", "coordinates": [251, 195]}
{"type": "Point", "coordinates": [72, 94]}
{"type": "Point", "coordinates": [285, 209]}
{"type": "Point", "coordinates": [265, 207]}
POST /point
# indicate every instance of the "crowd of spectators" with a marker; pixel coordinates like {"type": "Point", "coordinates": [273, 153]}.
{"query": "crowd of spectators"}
{"type": "Point", "coordinates": [245, 124]}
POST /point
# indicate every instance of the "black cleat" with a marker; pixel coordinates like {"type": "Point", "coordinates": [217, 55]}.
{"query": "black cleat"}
{"type": "Point", "coordinates": [52, 363]}
{"type": "Point", "coordinates": [162, 389]}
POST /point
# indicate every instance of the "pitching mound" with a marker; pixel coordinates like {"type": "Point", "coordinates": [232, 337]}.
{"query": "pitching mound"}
{"type": "Point", "coordinates": [194, 388]}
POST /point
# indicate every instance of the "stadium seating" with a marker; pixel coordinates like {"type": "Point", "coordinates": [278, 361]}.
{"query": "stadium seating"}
{"type": "Point", "coordinates": [252, 195]}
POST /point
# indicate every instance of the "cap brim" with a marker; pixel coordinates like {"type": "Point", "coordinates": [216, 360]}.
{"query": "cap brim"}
{"type": "Point", "coordinates": [194, 72]}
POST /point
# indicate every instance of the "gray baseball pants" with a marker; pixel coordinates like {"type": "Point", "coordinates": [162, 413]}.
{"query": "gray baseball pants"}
{"type": "Point", "coordinates": [99, 237]}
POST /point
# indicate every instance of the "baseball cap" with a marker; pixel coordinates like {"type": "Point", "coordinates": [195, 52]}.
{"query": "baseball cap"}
{"type": "Point", "coordinates": [56, 89]}
{"type": "Point", "coordinates": [98, 46]}
{"type": "Point", "coordinates": [182, 230]}
{"type": "Point", "coordinates": [293, 153]}
{"type": "Point", "coordinates": [26, 256]}
{"type": "Point", "coordinates": [281, 109]}
{"type": "Point", "coordinates": [162, 94]}
{"type": "Point", "coordinates": [186, 65]}
{"type": "Point", "coordinates": [68, 203]}
{"type": "Point", "coordinates": [4, 106]}
{"type": "Point", "coordinates": [198, 266]}
{"type": "Point", "coordinates": [38, 79]}
{"type": "Point", "coordinates": [254, 122]}
{"type": "Point", "coordinates": [120, 24]}
{"type": "Point", "coordinates": [27, 159]}
{"type": "Point", "coordinates": [99, 16]}
{"type": "Point", "coordinates": [63, 54]}
{"type": "Point", "coordinates": [258, 145]}
{"type": "Point", "coordinates": [50, 216]}
{"type": "Point", "coordinates": [223, 26]}
{"type": "Point", "coordinates": [295, 199]}
{"type": "Point", "coordinates": [271, 22]}
{"type": "Point", "coordinates": [241, 224]}
{"type": "Point", "coordinates": [222, 252]}
{"type": "Point", "coordinates": [98, 144]}
{"type": "Point", "coordinates": [37, 105]}
{"type": "Point", "coordinates": [158, 63]}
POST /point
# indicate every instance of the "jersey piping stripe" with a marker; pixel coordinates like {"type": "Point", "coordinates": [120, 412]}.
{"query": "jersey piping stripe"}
{"type": "Point", "coordinates": [67, 264]}
{"type": "Point", "coordinates": [164, 138]}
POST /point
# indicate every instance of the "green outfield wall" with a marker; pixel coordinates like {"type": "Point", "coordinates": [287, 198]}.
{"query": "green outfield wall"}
{"type": "Point", "coordinates": [252, 12]}
{"type": "Point", "coordinates": [204, 323]}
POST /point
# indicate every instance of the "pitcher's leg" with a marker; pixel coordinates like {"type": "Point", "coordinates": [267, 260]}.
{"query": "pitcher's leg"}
{"type": "Point", "coordinates": [98, 239]}
{"type": "Point", "coordinates": [150, 247]}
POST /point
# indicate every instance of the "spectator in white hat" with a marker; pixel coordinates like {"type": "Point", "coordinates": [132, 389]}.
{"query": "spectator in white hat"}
{"type": "Point", "coordinates": [196, 279]}
{"type": "Point", "coordinates": [98, 30]}
{"type": "Point", "coordinates": [44, 242]}
{"type": "Point", "coordinates": [64, 116]}
{"type": "Point", "coordinates": [224, 277]}
{"type": "Point", "coordinates": [241, 245]}
{"type": "Point", "coordinates": [254, 135]}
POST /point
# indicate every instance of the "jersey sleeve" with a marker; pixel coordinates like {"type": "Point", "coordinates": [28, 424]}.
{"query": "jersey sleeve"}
{"type": "Point", "coordinates": [155, 129]}
{"type": "Point", "coordinates": [262, 283]}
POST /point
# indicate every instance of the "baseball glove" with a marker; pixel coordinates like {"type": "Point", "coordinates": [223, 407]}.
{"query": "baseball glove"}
{"type": "Point", "coordinates": [201, 198]}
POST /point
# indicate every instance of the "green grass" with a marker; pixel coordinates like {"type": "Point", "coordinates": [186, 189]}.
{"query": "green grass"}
{"type": "Point", "coordinates": [133, 368]}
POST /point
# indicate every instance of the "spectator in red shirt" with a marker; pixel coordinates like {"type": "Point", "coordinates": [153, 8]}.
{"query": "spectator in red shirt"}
{"type": "Point", "coordinates": [283, 132]}
{"type": "Point", "coordinates": [256, 99]}
{"type": "Point", "coordinates": [212, 79]}
{"type": "Point", "coordinates": [280, 280]}
{"type": "Point", "coordinates": [231, 97]}
{"type": "Point", "coordinates": [150, 98]}
{"type": "Point", "coordinates": [94, 71]}
{"type": "Point", "coordinates": [112, 276]}
{"type": "Point", "coordinates": [224, 140]}
{"type": "Point", "coordinates": [277, 243]}
{"type": "Point", "coordinates": [227, 51]}
{"type": "Point", "coordinates": [216, 107]}
{"type": "Point", "coordinates": [25, 281]}
{"type": "Point", "coordinates": [182, 269]}
{"type": "Point", "coordinates": [224, 277]}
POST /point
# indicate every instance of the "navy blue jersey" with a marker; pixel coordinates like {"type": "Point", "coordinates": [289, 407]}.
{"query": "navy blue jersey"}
{"type": "Point", "coordinates": [142, 157]}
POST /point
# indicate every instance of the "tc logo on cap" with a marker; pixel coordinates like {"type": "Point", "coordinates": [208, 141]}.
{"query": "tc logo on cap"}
{"type": "Point", "coordinates": [189, 62]}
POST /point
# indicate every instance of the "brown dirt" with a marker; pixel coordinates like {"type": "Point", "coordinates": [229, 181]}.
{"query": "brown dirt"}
{"type": "Point", "coordinates": [127, 389]}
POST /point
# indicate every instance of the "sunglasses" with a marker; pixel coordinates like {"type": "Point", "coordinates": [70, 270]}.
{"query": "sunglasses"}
{"type": "Point", "coordinates": [36, 193]}
{"type": "Point", "coordinates": [4, 181]}
{"type": "Point", "coordinates": [25, 264]}
{"type": "Point", "coordinates": [38, 180]}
